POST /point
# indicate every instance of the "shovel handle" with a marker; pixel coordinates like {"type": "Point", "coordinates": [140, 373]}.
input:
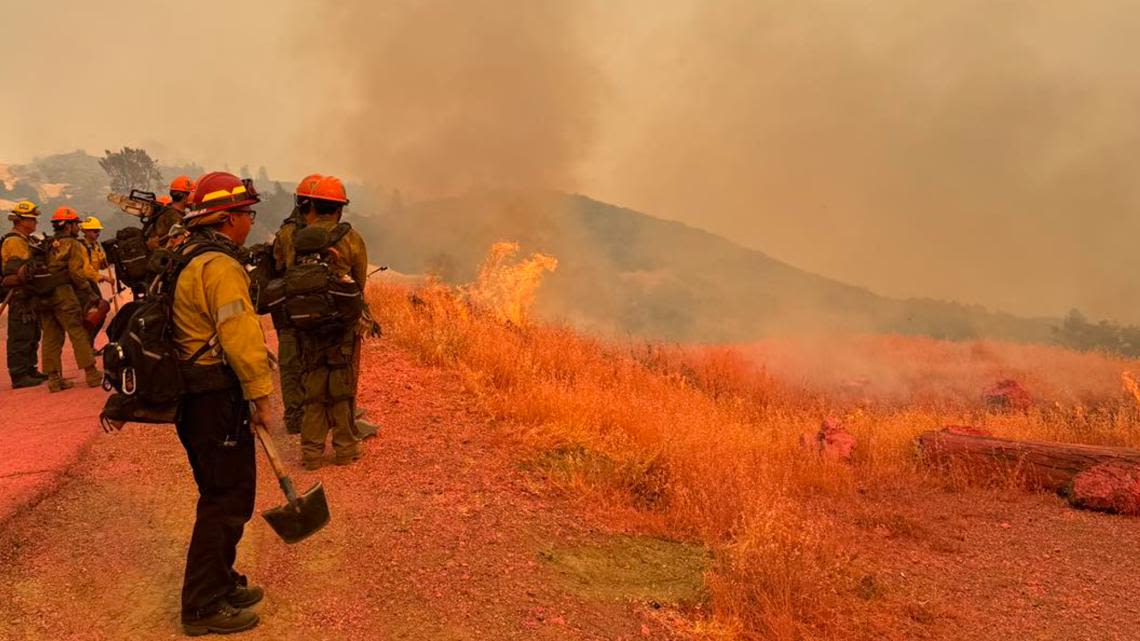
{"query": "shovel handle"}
{"type": "Point", "coordinates": [275, 461]}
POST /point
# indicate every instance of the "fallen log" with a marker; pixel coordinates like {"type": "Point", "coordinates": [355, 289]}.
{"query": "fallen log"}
{"type": "Point", "coordinates": [1092, 476]}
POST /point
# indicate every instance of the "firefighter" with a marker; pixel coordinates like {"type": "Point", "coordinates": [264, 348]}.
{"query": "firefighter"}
{"type": "Point", "coordinates": [23, 324]}
{"type": "Point", "coordinates": [91, 229]}
{"type": "Point", "coordinates": [227, 389]}
{"type": "Point", "coordinates": [328, 358]}
{"type": "Point", "coordinates": [289, 363]}
{"type": "Point", "coordinates": [98, 258]}
{"type": "Point", "coordinates": [171, 213]}
{"type": "Point", "coordinates": [62, 310]}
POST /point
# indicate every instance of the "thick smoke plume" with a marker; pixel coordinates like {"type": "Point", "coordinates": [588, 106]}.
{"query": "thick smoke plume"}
{"type": "Point", "coordinates": [977, 150]}
{"type": "Point", "coordinates": [443, 97]}
{"type": "Point", "coordinates": [972, 150]}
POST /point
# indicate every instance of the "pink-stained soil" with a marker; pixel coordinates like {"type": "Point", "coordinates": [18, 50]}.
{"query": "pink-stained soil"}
{"type": "Point", "coordinates": [437, 533]}
{"type": "Point", "coordinates": [1007, 395]}
{"type": "Point", "coordinates": [832, 441]}
{"type": "Point", "coordinates": [42, 434]}
{"type": "Point", "coordinates": [991, 565]}
{"type": "Point", "coordinates": [1111, 487]}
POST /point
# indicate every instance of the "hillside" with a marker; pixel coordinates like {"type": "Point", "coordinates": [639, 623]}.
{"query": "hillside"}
{"type": "Point", "coordinates": [624, 272]}
{"type": "Point", "coordinates": [621, 272]}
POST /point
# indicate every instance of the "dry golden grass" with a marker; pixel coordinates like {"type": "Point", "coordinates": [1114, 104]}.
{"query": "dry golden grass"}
{"type": "Point", "coordinates": [706, 439]}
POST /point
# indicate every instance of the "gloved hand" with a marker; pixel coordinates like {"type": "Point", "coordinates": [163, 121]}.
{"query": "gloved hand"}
{"type": "Point", "coordinates": [260, 413]}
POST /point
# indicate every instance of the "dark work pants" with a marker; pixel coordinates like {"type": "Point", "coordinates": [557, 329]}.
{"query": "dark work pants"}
{"type": "Point", "coordinates": [23, 338]}
{"type": "Point", "coordinates": [289, 366]}
{"type": "Point", "coordinates": [214, 429]}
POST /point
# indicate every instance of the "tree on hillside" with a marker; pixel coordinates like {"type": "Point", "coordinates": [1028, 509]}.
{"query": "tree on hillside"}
{"type": "Point", "coordinates": [1077, 332]}
{"type": "Point", "coordinates": [131, 168]}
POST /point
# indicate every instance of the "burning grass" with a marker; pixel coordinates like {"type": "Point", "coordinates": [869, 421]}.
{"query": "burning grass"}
{"type": "Point", "coordinates": [705, 441]}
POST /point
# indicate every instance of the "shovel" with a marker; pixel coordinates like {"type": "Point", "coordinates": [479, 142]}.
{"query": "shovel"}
{"type": "Point", "coordinates": [304, 514]}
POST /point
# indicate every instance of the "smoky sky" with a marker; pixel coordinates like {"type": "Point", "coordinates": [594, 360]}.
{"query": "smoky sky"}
{"type": "Point", "coordinates": [982, 151]}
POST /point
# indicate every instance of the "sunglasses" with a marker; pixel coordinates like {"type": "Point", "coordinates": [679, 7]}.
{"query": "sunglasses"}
{"type": "Point", "coordinates": [249, 212]}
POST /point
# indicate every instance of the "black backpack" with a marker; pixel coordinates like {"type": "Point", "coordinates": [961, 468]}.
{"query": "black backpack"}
{"type": "Point", "coordinates": [262, 270]}
{"type": "Point", "coordinates": [310, 296]}
{"type": "Point", "coordinates": [140, 361]}
{"type": "Point", "coordinates": [128, 252]}
{"type": "Point", "coordinates": [39, 281]}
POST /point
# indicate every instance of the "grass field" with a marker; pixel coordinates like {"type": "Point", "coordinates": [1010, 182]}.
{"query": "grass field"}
{"type": "Point", "coordinates": [701, 444]}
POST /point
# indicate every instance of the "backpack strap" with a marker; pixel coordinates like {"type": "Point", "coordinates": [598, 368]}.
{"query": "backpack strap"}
{"type": "Point", "coordinates": [340, 231]}
{"type": "Point", "coordinates": [203, 350]}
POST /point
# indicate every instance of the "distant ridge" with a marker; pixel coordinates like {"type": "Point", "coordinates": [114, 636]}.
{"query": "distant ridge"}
{"type": "Point", "coordinates": [625, 272]}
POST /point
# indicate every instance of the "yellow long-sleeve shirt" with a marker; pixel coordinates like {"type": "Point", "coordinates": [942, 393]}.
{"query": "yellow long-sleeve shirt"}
{"type": "Point", "coordinates": [14, 248]}
{"type": "Point", "coordinates": [211, 298]}
{"type": "Point", "coordinates": [69, 255]}
{"type": "Point", "coordinates": [283, 253]}
{"type": "Point", "coordinates": [96, 255]}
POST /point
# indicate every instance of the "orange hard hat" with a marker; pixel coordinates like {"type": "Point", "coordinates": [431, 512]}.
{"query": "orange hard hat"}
{"type": "Point", "coordinates": [64, 214]}
{"type": "Point", "coordinates": [306, 184]}
{"type": "Point", "coordinates": [183, 184]}
{"type": "Point", "coordinates": [220, 191]}
{"type": "Point", "coordinates": [165, 200]}
{"type": "Point", "coordinates": [321, 187]}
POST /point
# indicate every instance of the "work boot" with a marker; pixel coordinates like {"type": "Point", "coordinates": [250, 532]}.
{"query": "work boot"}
{"type": "Point", "coordinates": [359, 413]}
{"type": "Point", "coordinates": [292, 427]}
{"type": "Point", "coordinates": [347, 460]}
{"type": "Point", "coordinates": [365, 429]}
{"type": "Point", "coordinates": [94, 376]}
{"type": "Point", "coordinates": [245, 596]}
{"type": "Point", "coordinates": [348, 456]}
{"type": "Point", "coordinates": [312, 463]}
{"type": "Point", "coordinates": [38, 374]}
{"type": "Point", "coordinates": [225, 620]}
{"type": "Point", "coordinates": [26, 381]}
{"type": "Point", "coordinates": [57, 383]}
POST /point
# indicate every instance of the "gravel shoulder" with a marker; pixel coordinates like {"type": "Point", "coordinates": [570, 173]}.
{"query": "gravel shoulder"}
{"type": "Point", "coordinates": [437, 533]}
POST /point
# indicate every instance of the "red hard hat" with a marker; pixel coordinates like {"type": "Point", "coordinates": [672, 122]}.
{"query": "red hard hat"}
{"type": "Point", "coordinates": [322, 188]}
{"type": "Point", "coordinates": [219, 191]}
{"type": "Point", "coordinates": [64, 214]}
{"type": "Point", "coordinates": [182, 183]}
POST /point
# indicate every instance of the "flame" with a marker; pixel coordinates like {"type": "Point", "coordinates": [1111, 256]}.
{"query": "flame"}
{"type": "Point", "coordinates": [507, 286]}
{"type": "Point", "coordinates": [1130, 384]}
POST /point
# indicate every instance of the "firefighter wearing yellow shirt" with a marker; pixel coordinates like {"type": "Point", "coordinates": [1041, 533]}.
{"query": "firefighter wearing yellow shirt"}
{"type": "Point", "coordinates": [227, 389]}
{"type": "Point", "coordinates": [23, 323]}
{"type": "Point", "coordinates": [169, 214]}
{"type": "Point", "coordinates": [90, 228]}
{"type": "Point", "coordinates": [328, 359]}
{"type": "Point", "coordinates": [61, 311]}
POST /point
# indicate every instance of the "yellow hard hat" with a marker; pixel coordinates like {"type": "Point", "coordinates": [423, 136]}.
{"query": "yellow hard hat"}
{"type": "Point", "coordinates": [26, 209]}
{"type": "Point", "coordinates": [91, 223]}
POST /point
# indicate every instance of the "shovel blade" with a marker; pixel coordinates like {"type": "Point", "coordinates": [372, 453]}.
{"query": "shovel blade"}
{"type": "Point", "coordinates": [296, 524]}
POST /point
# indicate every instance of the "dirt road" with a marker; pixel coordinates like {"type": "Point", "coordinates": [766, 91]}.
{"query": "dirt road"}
{"type": "Point", "coordinates": [436, 534]}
